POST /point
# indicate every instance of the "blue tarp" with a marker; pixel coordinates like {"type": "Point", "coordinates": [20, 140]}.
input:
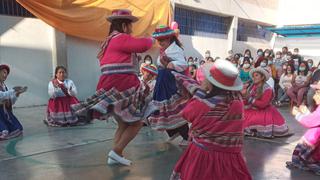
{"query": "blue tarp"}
{"type": "Point", "coordinates": [297, 31]}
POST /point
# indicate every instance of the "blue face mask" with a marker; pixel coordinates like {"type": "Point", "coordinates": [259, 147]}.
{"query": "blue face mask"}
{"type": "Point", "coordinates": [302, 68]}
{"type": "Point", "coordinates": [263, 64]}
{"type": "Point", "coordinates": [270, 62]}
{"type": "Point", "coordinates": [260, 53]}
{"type": "Point", "coordinates": [310, 65]}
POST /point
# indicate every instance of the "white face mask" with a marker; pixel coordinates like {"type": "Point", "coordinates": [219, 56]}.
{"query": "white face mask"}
{"type": "Point", "coordinates": [207, 55]}
{"type": "Point", "coordinates": [263, 64]}
{"type": "Point", "coordinates": [246, 66]}
{"type": "Point", "coordinates": [260, 53]}
{"type": "Point", "coordinates": [148, 62]}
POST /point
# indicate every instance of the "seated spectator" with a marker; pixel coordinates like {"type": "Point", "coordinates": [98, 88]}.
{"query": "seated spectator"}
{"type": "Point", "coordinates": [310, 65]}
{"type": "Point", "coordinates": [210, 59]}
{"type": "Point", "coordinates": [285, 83]}
{"type": "Point", "coordinates": [261, 118]}
{"type": "Point", "coordinates": [62, 92]}
{"type": "Point", "coordinates": [315, 78]}
{"type": "Point", "coordinates": [300, 84]}
{"type": "Point", "coordinates": [259, 58]}
{"type": "Point", "coordinates": [296, 55]}
{"type": "Point", "coordinates": [193, 71]}
{"type": "Point", "coordinates": [148, 59]}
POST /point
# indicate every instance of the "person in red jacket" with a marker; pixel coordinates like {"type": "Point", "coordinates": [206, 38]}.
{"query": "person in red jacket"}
{"type": "Point", "coordinates": [119, 90]}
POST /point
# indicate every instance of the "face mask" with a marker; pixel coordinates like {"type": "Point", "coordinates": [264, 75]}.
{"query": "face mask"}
{"type": "Point", "coordinates": [270, 62]}
{"type": "Point", "coordinates": [302, 68]}
{"type": "Point", "coordinates": [190, 63]}
{"type": "Point", "coordinates": [260, 53]}
{"type": "Point", "coordinates": [148, 62]}
{"type": "Point", "coordinates": [263, 64]}
{"type": "Point", "coordinates": [246, 55]}
{"type": "Point", "coordinates": [246, 66]}
{"type": "Point", "coordinates": [310, 65]}
{"type": "Point", "coordinates": [289, 72]}
{"type": "Point", "coordinates": [235, 65]}
{"type": "Point", "coordinates": [296, 60]}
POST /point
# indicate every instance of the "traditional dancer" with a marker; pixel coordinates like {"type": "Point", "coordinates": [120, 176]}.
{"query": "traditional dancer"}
{"type": "Point", "coordinates": [262, 119]}
{"type": "Point", "coordinates": [216, 114]}
{"type": "Point", "coordinates": [168, 96]}
{"type": "Point", "coordinates": [119, 91]}
{"type": "Point", "coordinates": [306, 155]}
{"type": "Point", "coordinates": [62, 94]}
{"type": "Point", "coordinates": [10, 127]}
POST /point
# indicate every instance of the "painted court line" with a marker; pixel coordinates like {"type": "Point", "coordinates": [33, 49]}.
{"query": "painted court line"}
{"type": "Point", "coordinates": [56, 149]}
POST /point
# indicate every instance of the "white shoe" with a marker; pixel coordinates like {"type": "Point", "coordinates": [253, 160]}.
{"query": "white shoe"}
{"type": "Point", "coordinates": [111, 161]}
{"type": "Point", "coordinates": [184, 143]}
{"type": "Point", "coordinates": [114, 156]}
{"type": "Point", "coordinates": [173, 137]}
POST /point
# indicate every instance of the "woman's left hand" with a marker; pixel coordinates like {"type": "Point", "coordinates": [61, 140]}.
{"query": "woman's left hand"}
{"type": "Point", "coordinates": [170, 65]}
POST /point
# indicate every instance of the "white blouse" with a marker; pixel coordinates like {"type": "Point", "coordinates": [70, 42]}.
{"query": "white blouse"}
{"type": "Point", "coordinates": [285, 81]}
{"type": "Point", "coordinates": [57, 91]}
{"type": "Point", "coordinates": [176, 55]}
{"type": "Point", "coordinates": [7, 94]}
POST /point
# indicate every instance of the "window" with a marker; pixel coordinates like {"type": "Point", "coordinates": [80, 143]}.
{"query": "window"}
{"type": "Point", "coordinates": [12, 8]}
{"type": "Point", "coordinates": [201, 24]}
{"type": "Point", "coordinates": [252, 31]}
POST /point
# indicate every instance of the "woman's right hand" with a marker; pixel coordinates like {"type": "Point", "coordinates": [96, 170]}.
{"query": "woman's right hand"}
{"type": "Point", "coordinates": [295, 110]}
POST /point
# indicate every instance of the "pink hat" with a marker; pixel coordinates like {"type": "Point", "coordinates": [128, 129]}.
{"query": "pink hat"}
{"type": "Point", "coordinates": [223, 74]}
{"type": "Point", "coordinates": [122, 14]}
{"type": "Point", "coordinates": [163, 32]}
{"type": "Point", "coordinates": [4, 66]}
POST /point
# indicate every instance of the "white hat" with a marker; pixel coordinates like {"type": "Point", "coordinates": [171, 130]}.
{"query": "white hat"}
{"type": "Point", "coordinates": [260, 70]}
{"type": "Point", "coordinates": [224, 75]}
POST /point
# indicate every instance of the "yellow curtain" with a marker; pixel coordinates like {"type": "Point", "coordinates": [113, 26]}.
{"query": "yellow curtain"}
{"type": "Point", "coordinates": [87, 18]}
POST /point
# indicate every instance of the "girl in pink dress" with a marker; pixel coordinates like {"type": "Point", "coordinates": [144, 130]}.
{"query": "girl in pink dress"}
{"type": "Point", "coordinates": [306, 155]}
{"type": "Point", "coordinates": [216, 133]}
{"type": "Point", "coordinates": [119, 91]}
{"type": "Point", "coordinates": [262, 119]}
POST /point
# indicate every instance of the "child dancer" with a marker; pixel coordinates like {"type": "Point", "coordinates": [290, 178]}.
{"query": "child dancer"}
{"type": "Point", "coordinates": [216, 114]}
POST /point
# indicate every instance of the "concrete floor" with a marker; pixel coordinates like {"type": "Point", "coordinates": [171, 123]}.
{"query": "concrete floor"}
{"type": "Point", "coordinates": [79, 153]}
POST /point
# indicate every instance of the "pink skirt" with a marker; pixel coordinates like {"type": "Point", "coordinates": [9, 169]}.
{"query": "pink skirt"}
{"type": "Point", "coordinates": [59, 112]}
{"type": "Point", "coordinates": [266, 123]}
{"type": "Point", "coordinates": [196, 163]}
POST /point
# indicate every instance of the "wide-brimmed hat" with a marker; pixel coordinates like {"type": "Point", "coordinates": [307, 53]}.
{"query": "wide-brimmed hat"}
{"type": "Point", "coordinates": [4, 66]}
{"type": "Point", "coordinates": [260, 70]}
{"type": "Point", "coordinates": [223, 74]}
{"type": "Point", "coordinates": [152, 69]}
{"type": "Point", "coordinates": [163, 32]}
{"type": "Point", "coordinates": [122, 14]}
